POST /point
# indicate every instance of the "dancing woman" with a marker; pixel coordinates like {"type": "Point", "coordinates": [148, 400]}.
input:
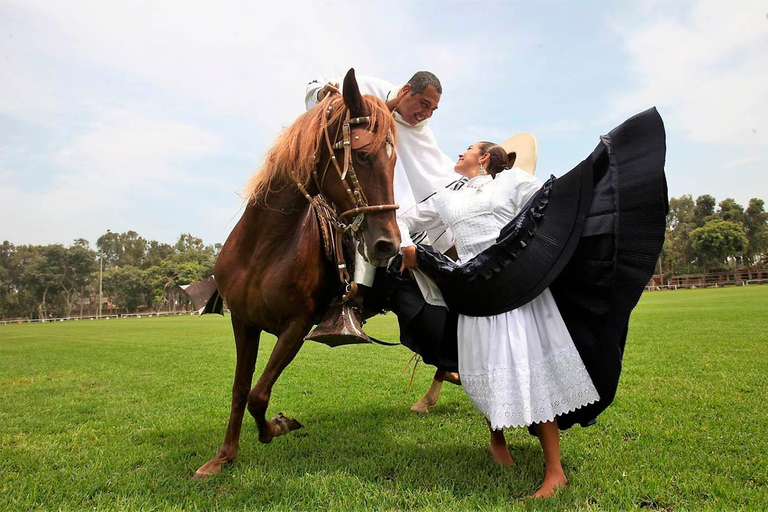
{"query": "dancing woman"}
{"type": "Point", "coordinates": [520, 367]}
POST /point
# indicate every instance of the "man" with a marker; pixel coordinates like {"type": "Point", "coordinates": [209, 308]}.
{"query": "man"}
{"type": "Point", "coordinates": [421, 168]}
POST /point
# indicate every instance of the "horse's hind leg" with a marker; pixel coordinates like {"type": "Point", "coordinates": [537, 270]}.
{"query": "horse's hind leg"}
{"type": "Point", "coordinates": [247, 344]}
{"type": "Point", "coordinates": [288, 345]}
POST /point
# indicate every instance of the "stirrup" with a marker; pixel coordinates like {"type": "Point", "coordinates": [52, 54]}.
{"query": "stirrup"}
{"type": "Point", "coordinates": [340, 326]}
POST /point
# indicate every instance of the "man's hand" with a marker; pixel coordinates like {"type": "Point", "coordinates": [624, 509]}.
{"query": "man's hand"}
{"type": "Point", "coordinates": [394, 102]}
{"type": "Point", "coordinates": [327, 89]}
{"type": "Point", "coordinates": [409, 258]}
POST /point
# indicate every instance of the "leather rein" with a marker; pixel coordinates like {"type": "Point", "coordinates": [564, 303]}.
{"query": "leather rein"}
{"type": "Point", "coordinates": [352, 138]}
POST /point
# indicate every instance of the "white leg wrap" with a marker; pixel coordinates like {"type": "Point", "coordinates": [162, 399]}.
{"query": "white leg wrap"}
{"type": "Point", "coordinates": [364, 271]}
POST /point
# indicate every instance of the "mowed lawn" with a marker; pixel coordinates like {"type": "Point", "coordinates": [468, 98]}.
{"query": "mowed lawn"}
{"type": "Point", "coordinates": [118, 414]}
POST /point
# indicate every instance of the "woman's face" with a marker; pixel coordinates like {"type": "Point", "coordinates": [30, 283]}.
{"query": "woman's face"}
{"type": "Point", "coordinates": [469, 161]}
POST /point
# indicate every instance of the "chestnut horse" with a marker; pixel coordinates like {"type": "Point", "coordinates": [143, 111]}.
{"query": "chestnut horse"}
{"type": "Point", "coordinates": [272, 271]}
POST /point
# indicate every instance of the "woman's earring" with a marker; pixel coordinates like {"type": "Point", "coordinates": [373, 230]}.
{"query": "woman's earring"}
{"type": "Point", "coordinates": [482, 171]}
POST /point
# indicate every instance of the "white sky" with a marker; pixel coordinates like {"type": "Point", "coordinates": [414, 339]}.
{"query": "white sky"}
{"type": "Point", "coordinates": [152, 115]}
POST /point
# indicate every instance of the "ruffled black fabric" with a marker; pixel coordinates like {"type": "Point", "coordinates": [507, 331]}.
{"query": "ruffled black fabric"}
{"type": "Point", "coordinates": [591, 236]}
{"type": "Point", "coordinates": [430, 331]}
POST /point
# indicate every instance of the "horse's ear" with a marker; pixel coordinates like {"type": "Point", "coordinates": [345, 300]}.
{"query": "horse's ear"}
{"type": "Point", "coordinates": [352, 97]}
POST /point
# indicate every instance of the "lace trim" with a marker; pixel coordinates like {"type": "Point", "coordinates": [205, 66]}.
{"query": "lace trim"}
{"type": "Point", "coordinates": [524, 394]}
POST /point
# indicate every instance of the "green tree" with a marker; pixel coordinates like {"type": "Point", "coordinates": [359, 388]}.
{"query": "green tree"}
{"type": "Point", "coordinates": [717, 241]}
{"type": "Point", "coordinates": [192, 249]}
{"type": "Point", "coordinates": [39, 274]}
{"type": "Point", "coordinates": [126, 286]}
{"type": "Point", "coordinates": [756, 227]}
{"type": "Point", "coordinates": [677, 252]}
{"type": "Point", "coordinates": [730, 210]}
{"type": "Point", "coordinates": [122, 249]}
{"type": "Point", "coordinates": [110, 249]}
{"type": "Point", "coordinates": [17, 300]}
{"type": "Point", "coordinates": [704, 210]}
{"type": "Point", "coordinates": [156, 253]}
{"type": "Point", "coordinates": [134, 249]}
{"type": "Point", "coordinates": [189, 243]}
{"type": "Point", "coordinates": [7, 293]}
{"type": "Point", "coordinates": [166, 278]}
{"type": "Point", "coordinates": [78, 270]}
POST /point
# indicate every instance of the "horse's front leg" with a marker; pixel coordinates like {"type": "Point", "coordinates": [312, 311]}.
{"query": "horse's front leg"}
{"type": "Point", "coordinates": [288, 345]}
{"type": "Point", "coordinates": [247, 344]}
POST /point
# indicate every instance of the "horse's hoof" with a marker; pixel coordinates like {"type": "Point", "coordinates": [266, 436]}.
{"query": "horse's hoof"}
{"type": "Point", "coordinates": [200, 476]}
{"type": "Point", "coordinates": [278, 426]}
{"type": "Point", "coordinates": [210, 468]}
{"type": "Point", "coordinates": [285, 424]}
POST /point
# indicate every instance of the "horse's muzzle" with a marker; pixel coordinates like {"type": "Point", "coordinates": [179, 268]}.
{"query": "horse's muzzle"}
{"type": "Point", "coordinates": [381, 251]}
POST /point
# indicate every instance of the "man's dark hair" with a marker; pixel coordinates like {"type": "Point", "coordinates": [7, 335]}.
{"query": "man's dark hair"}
{"type": "Point", "coordinates": [421, 80]}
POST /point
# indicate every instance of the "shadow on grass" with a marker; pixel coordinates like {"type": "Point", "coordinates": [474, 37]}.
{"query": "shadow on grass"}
{"type": "Point", "coordinates": [375, 447]}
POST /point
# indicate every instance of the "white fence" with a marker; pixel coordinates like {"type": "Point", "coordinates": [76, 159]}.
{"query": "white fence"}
{"type": "Point", "coordinates": [711, 285]}
{"type": "Point", "coordinates": [102, 317]}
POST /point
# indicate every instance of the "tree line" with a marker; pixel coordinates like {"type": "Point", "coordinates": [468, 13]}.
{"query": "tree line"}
{"type": "Point", "coordinates": [43, 281]}
{"type": "Point", "coordinates": [40, 281]}
{"type": "Point", "coordinates": [705, 236]}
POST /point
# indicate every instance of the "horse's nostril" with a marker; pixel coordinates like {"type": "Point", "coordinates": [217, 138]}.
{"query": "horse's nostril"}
{"type": "Point", "coordinates": [384, 247]}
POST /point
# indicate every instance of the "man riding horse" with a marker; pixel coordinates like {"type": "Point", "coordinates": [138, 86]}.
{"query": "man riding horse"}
{"type": "Point", "coordinates": [421, 168]}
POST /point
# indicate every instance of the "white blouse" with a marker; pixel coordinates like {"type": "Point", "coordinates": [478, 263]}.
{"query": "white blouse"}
{"type": "Point", "coordinates": [476, 213]}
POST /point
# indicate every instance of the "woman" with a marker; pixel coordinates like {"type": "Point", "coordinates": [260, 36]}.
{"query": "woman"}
{"type": "Point", "coordinates": [521, 367]}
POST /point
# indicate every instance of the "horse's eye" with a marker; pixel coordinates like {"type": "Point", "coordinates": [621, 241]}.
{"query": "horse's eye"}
{"type": "Point", "coordinates": [363, 156]}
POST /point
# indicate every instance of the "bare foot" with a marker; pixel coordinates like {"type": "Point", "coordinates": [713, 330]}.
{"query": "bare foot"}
{"type": "Point", "coordinates": [552, 482]}
{"type": "Point", "coordinates": [453, 378]}
{"type": "Point", "coordinates": [501, 455]}
{"type": "Point", "coordinates": [423, 405]}
{"type": "Point", "coordinates": [499, 449]}
{"type": "Point", "coordinates": [429, 399]}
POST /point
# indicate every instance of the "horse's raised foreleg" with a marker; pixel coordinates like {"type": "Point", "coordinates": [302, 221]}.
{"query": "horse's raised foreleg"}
{"type": "Point", "coordinates": [288, 345]}
{"type": "Point", "coordinates": [247, 344]}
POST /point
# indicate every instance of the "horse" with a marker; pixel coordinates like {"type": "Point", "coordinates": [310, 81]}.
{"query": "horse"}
{"type": "Point", "coordinates": [273, 271]}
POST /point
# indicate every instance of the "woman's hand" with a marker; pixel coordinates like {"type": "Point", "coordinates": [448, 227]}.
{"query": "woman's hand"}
{"type": "Point", "coordinates": [409, 258]}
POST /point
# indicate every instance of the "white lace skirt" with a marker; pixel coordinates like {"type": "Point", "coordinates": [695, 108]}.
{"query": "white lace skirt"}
{"type": "Point", "coordinates": [521, 367]}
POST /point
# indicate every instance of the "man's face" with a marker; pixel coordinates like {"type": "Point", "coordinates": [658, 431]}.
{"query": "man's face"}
{"type": "Point", "coordinates": [415, 108]}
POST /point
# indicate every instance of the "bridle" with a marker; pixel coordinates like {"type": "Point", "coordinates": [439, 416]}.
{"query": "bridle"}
{"type": "Point", "coordinates": [354, 136]}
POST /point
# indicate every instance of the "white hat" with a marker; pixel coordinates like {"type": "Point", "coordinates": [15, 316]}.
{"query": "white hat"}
{"type": "Point", "coordinates": [522, 151]}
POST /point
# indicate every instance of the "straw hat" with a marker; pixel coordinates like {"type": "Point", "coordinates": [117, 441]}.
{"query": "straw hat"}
{"type": "Point", "coordinates": [522, 151]}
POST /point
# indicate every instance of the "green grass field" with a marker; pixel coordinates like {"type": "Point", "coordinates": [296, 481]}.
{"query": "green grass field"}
{"type": "Point", "coordinates": [118, 414]}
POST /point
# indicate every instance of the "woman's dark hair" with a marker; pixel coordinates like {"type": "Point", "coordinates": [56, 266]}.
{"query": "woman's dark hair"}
{"type": "Point", "coordinates": [498, 161]}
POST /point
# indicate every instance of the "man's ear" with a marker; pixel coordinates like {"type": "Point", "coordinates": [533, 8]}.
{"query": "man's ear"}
{"type": "Point", "coordinates": [406, 89]}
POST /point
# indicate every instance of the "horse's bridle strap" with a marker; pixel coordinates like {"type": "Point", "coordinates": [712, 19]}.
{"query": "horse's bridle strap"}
{"type": "Point", "coordinates": [352, 138]}
{"type": "Point", "coordinates": [374, 208]}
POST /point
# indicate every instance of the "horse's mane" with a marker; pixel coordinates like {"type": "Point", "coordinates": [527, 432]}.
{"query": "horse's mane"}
{"type": "Point", "coordinates": [292, 157]}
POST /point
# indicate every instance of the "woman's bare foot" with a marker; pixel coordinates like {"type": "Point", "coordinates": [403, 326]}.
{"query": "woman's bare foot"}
{"type": "Point", "coordinates": [499, 448]}
{"type": "Point", "coordinates": [429, 399]}
{"type": "Point", "coordinates": [554, 476]}
{"type": "Point", "coordinates": [553, 481]}
{"type": "Point", "coordinates": [452, 377]}
{"type": "Point", "coordinates": [423, 405]}
{"type": "Point", "coordinates": [501, 455]}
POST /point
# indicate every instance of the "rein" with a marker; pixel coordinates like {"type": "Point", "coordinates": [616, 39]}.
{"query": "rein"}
{"type": "Point", "coordinates": [326, 210]}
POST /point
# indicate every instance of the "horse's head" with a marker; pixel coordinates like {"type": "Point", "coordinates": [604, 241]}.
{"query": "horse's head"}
{"type": "Point", "coordinates": [356, 168]}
